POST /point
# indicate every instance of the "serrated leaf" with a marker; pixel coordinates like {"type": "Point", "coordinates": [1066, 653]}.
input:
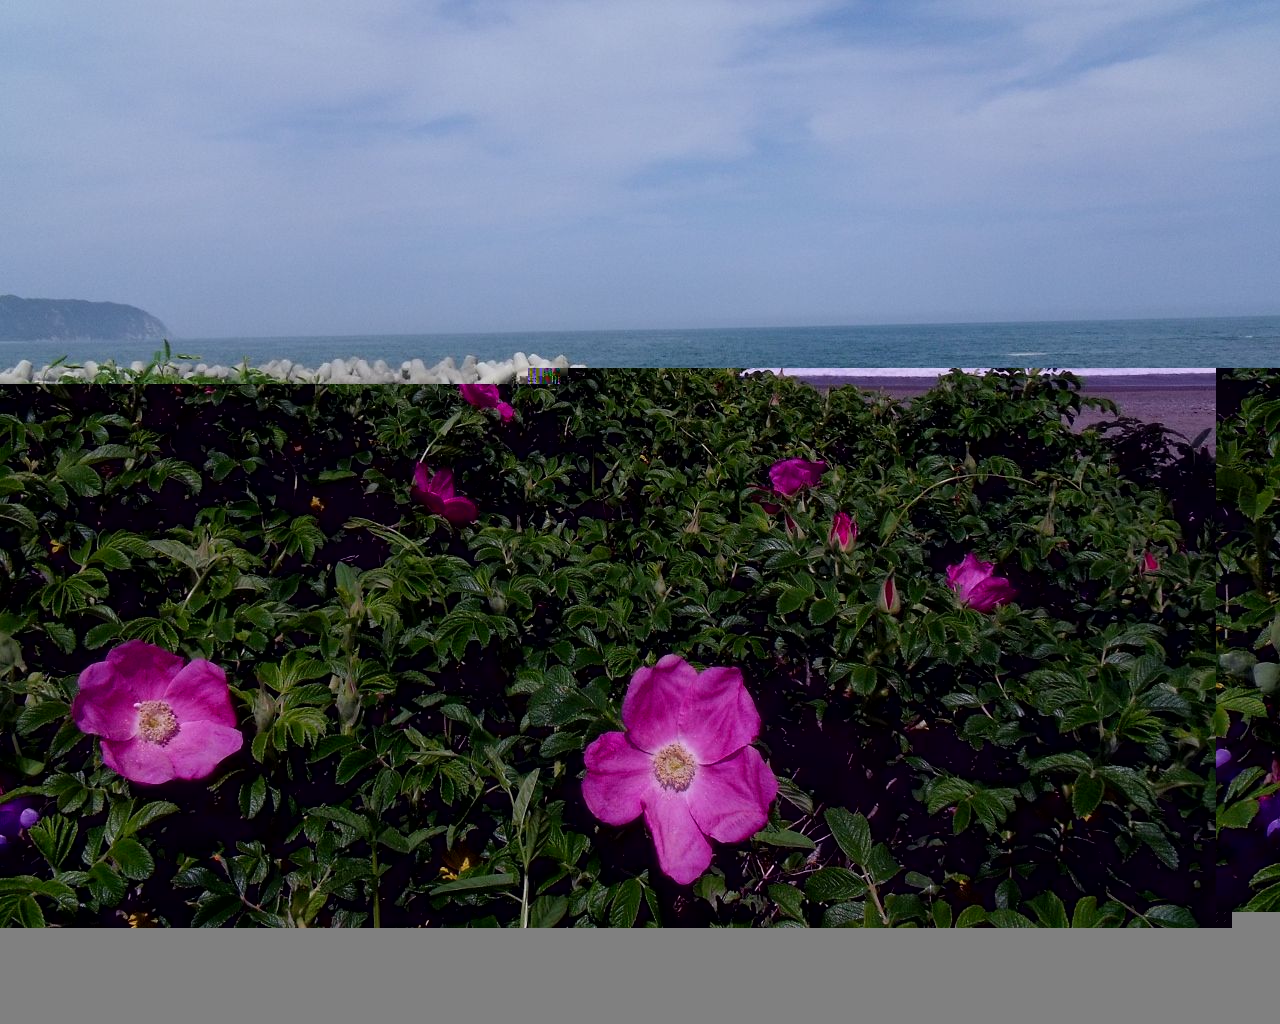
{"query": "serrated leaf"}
{"type": "Point", "coordinates": [822, 611]}
{"type": "Point", "coordinates": [784, 837]}
{"type": "Point", "coordinates": [829, 885]}
{"type": "Point", "coordinates": [852, 832]}
{"type": "Point", "coordinates": [132, 859]}
{"type": "Point", "coordinates": [1086, 794]}
{"type": "Point", "coordinates": [626, 904]}
{"type": "Point", "coordinates": [1171, 916]}
{"type": "Point", "coordinates": [789, 900]}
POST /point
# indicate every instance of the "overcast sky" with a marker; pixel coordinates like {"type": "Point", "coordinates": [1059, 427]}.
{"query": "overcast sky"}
{"type": "Point", "coordinates": [291, 167]}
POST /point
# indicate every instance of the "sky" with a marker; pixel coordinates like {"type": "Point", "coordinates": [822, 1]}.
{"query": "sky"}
{"type": "Point", "coordinates": [303, 168]}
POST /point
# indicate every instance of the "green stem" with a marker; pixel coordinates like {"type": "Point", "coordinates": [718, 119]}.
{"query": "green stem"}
{"type": "Point", "coordinates": [377, 909]}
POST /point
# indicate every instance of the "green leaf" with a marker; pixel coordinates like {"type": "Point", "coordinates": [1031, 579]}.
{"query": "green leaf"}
{"type": "Point", "coordinates": [852, 832]}
{"type": "Point", "coordinates": [626, 904]}
{"type": "Point", "coordinates": [844, 915]}
{"type": "Point", "coordinates": [35, 715]}
{"type": "Point", "coordinates": [1086, 913]}
{"type": "Point", "coordinates": [53, 835]}
{"type": "Point", "coordinates": [1171, 917]}
{"type": "Point", "coordinates": [1006, 918]}
{"type": "Point", "coordinates": [1238, 815]}
{"type": "Point", "coordinates": [1086, 794]}
{"type": "Point", "coordinates": [132, 859]}
{"type": "Point", "coordinates": [784, 837]}
{"type": "Point", "coordinates": [1242, 782]}
{"type": "Point", "coordinates": [822, 611]}
{"type": "Point", "coordinates": [547, 911]}
{"type": "Point", "coordinates": [1049, 910]}
{"type": "Point", "coordinates": [20, 515]}
{"type": "Point", "coordinates": [789, 900]}
{"type": "Point", "coordinates": [475, 882]}
{"type": "Point", "coordinates": [343, 816]}
{"type": "Point", "coordinates": [524, 796]}
{"type": "Point", "coordinates": [830, 885]}
{"type": "Point", "coordinates": [147, 814]}
{"type": "Point", "coordinates": [791, 599]}
{"type": "Point", "coordinates": [353, 764]}
{"type": "Point", "coordinates": [252, 796]}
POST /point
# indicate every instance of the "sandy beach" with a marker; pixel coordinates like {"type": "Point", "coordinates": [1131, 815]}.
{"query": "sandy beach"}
{"type": "Point", "coordinates": [1183, 402]}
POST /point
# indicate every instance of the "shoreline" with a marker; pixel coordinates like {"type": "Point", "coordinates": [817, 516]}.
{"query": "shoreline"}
{"type": "Point", "coordinates": [1182, 401]}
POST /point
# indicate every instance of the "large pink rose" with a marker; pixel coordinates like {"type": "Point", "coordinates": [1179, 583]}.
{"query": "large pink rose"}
{"type": "Point", "coordinates": [685, 762]}
{"type": "Point", "coordinates": [485, 396]}
{"type": "Point", "coordinates": [975, 584]}
{"type": "Point", "coordinates": [159, 718]}
{"type": "Point", "coordinates": [790, 475]}
{"type": "Point", "coordinates": [436, 492]}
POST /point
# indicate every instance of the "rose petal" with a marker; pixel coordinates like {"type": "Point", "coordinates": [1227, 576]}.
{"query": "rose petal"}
{"type": "Point", "coordinates": [618, 777]}
{"type": "Point", "coordinates": [718, 716]}
{"type": "Point", "coordinates": [105, 704]}
{"type": "Point", "coordinates": [442, 483]}
{"type": "Point", "coordinates": [459, 510]}
{"type": "Point", "coordinates": [967, 574]}
{"type": "Point", "coordinates": [138, 761]}
{"type": "Point", "coordinates": [421, 477]}
{"type": "Point", "coordinates": [987, 594]}
{"type": "Point", "coordinates": [199, 693]}
{"type": "Point", "coordinates": [506, 412]}
{"type": "Point", "coordinates": [146, 668]}
{"type": "Point", "coordinates": [483, 396]}
{"type": "Point", "coordinates": [651, 708]}
{"type": "Point", "coordinates": [683, 851]}
{"type": "Point", "coordinates": [199, 747]}
{"type": "Point", "coordinates": [730, 801]}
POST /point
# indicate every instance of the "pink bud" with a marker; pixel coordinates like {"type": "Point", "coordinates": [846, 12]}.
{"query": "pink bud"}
{"type": "Point", "coordinates": [1149, 563]}
{"type": "Point", "coordinates": [843, 533]}
{"type": "Point", "coordinates": [888, 602]}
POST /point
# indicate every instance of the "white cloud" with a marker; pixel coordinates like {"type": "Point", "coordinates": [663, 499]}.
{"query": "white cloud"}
{"type": "Point", "coordinates": [242, 140]}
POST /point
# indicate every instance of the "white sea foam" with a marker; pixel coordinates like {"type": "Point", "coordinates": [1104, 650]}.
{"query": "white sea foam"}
{"type": "Point", "coordinates": [336, 371]}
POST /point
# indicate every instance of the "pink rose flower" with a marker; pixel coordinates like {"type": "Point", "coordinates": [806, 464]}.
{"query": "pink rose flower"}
{"type": "Point", "coordinates": [844, 532]}
{"type": "Point", "coordinates": [975, 586]}
{"type": "Point", "coordinates": [485, 396]}
{"type": "Point", "coordinates": [685, 762]}
{"type": "Point", "coordinates": [159, 718]}
{"type": "Point", "coordinates": [436, 492]}
{"type": "Point", "coordinates": [790, 475]}
{"type": "Point", "coordinates": [1149, 563]}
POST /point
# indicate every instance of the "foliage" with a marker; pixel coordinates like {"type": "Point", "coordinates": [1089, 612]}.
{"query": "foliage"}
{"type": "Point", "coordinates": [1248, 545]}
{"type": "Point", "coordinates": [416, 697]}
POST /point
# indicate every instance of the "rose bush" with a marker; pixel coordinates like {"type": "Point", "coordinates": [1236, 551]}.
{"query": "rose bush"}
{"type": "Point", "coordinates": [423, 697]}
{"type": "Point", "coordinates": [1248, 541]}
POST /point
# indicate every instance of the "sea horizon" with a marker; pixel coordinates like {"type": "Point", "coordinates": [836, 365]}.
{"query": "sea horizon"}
{"type": "Point", "coordinates": [1134, 345]}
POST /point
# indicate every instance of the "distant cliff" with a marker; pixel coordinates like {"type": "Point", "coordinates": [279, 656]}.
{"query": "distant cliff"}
{"type": "Point", "coordinates": [71, 319]}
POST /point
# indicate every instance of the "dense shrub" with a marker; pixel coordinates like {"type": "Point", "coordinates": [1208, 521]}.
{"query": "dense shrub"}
{"type": "Point", "coordinates": [1248, 545]}
{"type": "Point", "coordinates": [416, 696]}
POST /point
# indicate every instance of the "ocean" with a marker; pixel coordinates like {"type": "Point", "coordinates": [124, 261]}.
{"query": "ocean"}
{"type": "Point", "coordinates": [1150, 345]}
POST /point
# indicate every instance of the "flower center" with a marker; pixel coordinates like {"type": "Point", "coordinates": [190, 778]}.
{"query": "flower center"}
{"type": "Point", "coordinates": [156, 721]}
{"type": "Point", "coordinates": [674, 767]}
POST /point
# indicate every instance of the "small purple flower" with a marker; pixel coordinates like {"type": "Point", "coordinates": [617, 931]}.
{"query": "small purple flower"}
{"type": "Point", "coordinates": [16, 816]}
